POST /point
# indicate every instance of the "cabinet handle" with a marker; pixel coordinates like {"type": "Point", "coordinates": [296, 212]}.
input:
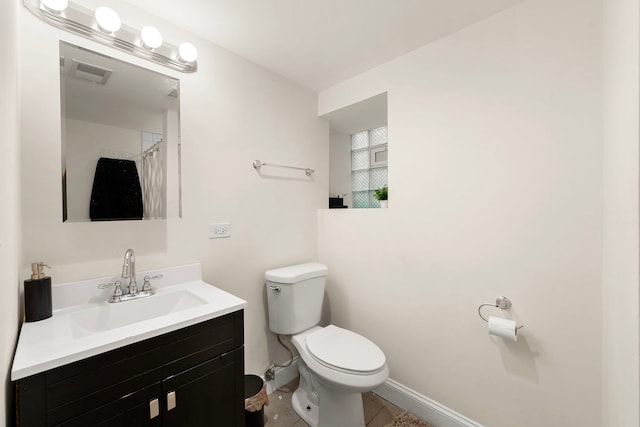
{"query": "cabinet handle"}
{"type": "Point", "coordinates": [154, 408]}
{"type": "Point", "coordinates": [171, 400]}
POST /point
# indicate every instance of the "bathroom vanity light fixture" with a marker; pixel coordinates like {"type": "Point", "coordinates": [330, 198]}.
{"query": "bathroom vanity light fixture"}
{"type": "Point", "coordinates": [107, 19]}
{"type": "Point", "coordinates": [105, 26]}
{"type": "Point", "coordinates": [151, 37]}
{"type": "Point", "coordinates": [54, 6]}
{"type": "Point", "coordinates": [187, 52]}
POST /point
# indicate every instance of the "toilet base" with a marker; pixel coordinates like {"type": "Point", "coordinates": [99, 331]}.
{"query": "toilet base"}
{"type": "Point", "coordinates": [305, 409]}
{"type": "Point", "coordinates": [338, 409]}
{"type": "Point", "coordinates": [322, 406]}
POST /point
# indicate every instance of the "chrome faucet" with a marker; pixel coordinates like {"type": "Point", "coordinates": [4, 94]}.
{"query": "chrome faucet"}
{"type": "Point", "coordinates": [129, 271]}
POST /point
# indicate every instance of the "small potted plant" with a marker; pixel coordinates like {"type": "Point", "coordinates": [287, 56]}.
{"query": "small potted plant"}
{"type": "Point", "coordinates": [381, 195]}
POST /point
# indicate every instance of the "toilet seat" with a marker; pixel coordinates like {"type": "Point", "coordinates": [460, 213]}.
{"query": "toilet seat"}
{"type": "Point", "coordinates": [345, 351]}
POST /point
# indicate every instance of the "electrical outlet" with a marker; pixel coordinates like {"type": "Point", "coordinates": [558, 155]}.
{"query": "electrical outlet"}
{"type": "Point", "coordinates": [217, 231]}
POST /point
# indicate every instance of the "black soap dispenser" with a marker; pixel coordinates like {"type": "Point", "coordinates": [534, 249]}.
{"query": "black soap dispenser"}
{"type": "Point", "coordinates": [37, 294]}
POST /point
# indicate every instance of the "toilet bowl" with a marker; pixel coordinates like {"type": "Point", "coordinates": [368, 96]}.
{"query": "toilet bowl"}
{"type": "Point", "coordinates": [336, 365]}
{"type": "Point", "coordinates": [342, 358]}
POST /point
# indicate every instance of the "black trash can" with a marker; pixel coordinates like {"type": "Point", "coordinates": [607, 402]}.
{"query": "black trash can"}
{"type": "Point", "coordinates": [252, 386]}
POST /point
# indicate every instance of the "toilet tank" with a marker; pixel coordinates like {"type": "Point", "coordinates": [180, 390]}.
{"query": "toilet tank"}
{"type": "Point", "coordinates": [294, 297]}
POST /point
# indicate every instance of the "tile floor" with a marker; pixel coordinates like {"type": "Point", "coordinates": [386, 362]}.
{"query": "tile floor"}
{"type": "Point", "coordinates": [279, 413]}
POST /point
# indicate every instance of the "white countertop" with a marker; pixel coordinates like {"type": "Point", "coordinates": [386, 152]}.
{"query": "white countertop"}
{"type": "Point", "coordinates": [54, 342]}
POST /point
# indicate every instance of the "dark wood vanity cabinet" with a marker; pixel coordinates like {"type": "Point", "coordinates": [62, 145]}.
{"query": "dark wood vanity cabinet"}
{"type": "Point", "coordinates": [190, 377]}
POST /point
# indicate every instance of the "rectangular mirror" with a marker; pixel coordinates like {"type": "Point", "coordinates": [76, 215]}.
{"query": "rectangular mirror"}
{"type": "Point", "coordinates": [120, 139]}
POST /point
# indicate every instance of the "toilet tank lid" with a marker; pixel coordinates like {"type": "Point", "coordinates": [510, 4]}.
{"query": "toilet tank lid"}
{"type": "Point", "coordinates": [296, 273]}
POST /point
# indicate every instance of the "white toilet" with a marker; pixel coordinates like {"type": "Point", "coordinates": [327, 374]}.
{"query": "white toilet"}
{"type": "Point", "coordinates": [336, 365]}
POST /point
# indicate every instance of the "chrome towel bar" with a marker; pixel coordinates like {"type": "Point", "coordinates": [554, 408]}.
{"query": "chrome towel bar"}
{"type": "Point", "coordinates": [257, 164]}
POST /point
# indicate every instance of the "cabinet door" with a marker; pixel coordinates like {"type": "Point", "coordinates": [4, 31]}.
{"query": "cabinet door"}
{"type": "Point", "coordinates": [208, 395]}
{"type": "Point", "coordinates": [138, 409]}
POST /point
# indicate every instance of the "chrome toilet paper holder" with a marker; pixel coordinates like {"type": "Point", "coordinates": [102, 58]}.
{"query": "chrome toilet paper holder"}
{"type": "Point", "coordinates": [502, 303]}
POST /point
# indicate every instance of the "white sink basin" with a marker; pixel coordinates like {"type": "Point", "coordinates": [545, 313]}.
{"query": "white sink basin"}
{"type": "Point", "coordinates": [126, 313]}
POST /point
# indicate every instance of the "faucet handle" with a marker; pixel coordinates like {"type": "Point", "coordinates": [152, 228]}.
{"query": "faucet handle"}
{"type": "Point", "coordinates": [117, 293]}
{"type": "Point", "coordinates": [132, 289]}
{"type": "Point", "coordinates": [146, 286]}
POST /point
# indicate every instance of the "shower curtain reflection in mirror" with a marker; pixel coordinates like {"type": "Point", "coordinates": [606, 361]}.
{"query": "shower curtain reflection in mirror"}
{"type": "Point", "coordinates": [153, 161]}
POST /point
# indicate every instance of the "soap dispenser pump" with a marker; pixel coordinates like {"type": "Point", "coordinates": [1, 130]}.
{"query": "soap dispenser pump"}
{"type": "Point", "coordinates": [37, 294]}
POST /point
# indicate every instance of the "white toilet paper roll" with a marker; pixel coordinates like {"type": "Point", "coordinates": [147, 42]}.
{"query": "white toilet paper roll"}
{"type": "Point", "coordinates": [502, 327]}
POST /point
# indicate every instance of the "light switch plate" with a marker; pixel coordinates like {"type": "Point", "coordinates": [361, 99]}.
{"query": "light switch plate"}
{"type": "Point", "coordinates": [219, 230]}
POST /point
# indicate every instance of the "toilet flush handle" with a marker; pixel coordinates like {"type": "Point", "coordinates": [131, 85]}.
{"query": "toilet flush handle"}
{"type": "Point", "coordinates": [275, 288]}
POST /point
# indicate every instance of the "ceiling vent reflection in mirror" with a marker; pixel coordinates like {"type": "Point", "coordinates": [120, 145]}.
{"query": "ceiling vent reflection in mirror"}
{"type": "Point", "coordinates": [93, 73]}
{"type": "Point", "coordinates": [104, 26]}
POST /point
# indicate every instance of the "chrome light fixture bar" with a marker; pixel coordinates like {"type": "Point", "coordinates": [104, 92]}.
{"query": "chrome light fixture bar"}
{"type": "Point", "coordinates": [81, 21]}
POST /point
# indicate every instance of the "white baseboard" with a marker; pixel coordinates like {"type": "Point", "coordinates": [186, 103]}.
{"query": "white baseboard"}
{"type": "Point", "coordinates": [422, 407]}
{"type": "Point", "coordinates": [283, 376]}
{"type": "Point", "coordinates": [403, 397]}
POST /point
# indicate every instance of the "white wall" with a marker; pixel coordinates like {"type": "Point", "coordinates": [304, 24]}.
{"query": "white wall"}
{"type": "Point", "coordinates": [496, 189]}
{"type": "Point", "coordinates": [232, 112]}
{"type": "Point", "coordinates": [340, 166]}
{"type": "Point", "coordinates": [621, 214]}
{"type": "Point", "coordinates": [10, 201]}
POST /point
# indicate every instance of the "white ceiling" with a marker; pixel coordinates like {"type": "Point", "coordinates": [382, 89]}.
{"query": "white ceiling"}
{"type": "Point", "coordinates": [318, 43]}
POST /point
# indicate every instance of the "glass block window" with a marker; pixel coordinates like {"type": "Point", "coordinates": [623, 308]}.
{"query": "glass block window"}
{"type": "Point", "coordinates": [360, 160]}
{"type": "Point", "coordinates": [378, 136]}
{"type": "Point", "coordinates": [368, 166]}
{"type": "Point", "coordinates": [360, 140]}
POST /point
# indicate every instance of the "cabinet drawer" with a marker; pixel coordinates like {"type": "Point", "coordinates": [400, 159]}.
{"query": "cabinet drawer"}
{"type": "Point", "coordinates": [130, 410]}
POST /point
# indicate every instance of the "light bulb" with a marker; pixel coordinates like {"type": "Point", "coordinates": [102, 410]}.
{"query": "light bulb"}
{"type": "Point", "coordinates": [56, 6]}
{"type": "Point", "coordinates": [187, 52]}
{"type": "Point", "coordinates": [108, 20]}
{"type": "Point", "coordinates": [151, 37]}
